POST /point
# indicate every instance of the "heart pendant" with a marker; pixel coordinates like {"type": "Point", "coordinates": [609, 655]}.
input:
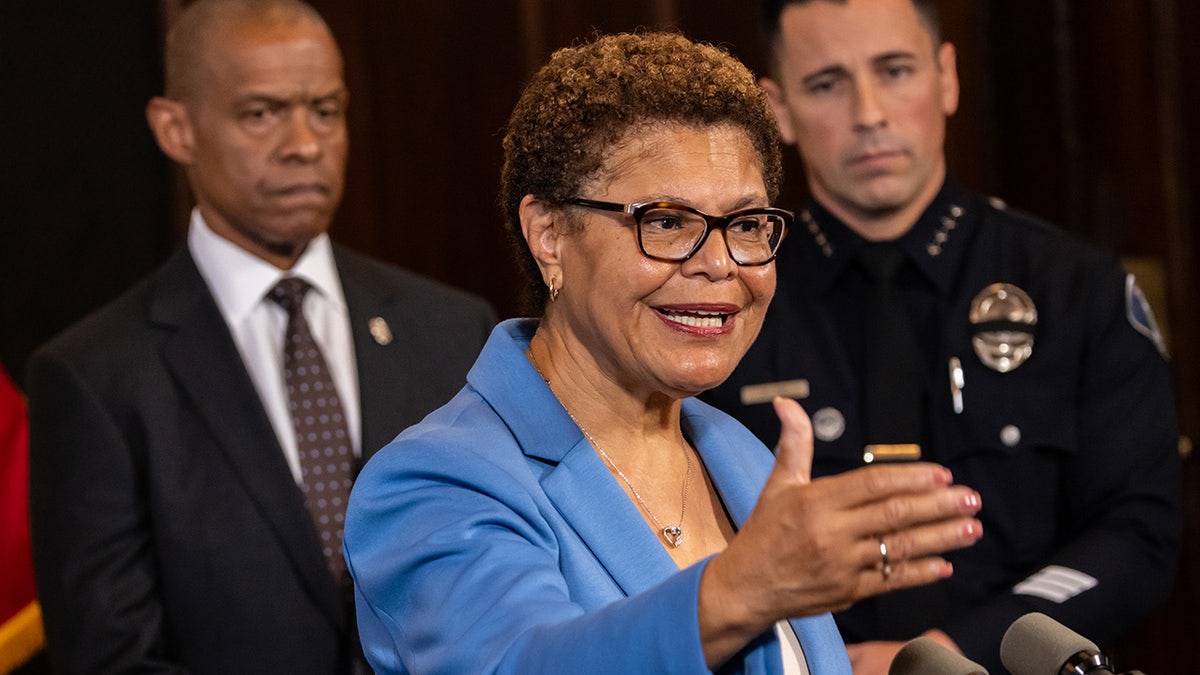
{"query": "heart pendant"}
{"type": "Point", "coordinates": [674, 535]}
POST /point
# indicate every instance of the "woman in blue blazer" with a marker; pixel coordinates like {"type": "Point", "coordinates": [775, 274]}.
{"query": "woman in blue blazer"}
{"type": "Point", "coordinates": [573, 509]}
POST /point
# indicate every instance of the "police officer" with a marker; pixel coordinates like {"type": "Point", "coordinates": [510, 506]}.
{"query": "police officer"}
{"type": "Point", "coordinates": [1019, 357]}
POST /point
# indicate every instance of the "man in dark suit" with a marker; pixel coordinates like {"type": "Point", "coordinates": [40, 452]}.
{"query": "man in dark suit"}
{"type": "Point", "coordinates": [181, 518]}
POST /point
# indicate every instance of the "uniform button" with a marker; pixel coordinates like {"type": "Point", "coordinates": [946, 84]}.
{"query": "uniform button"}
{"type": "Point", "coordinates": [828, 424]}
{"type": "Point", "coordinates": [1010, 435]}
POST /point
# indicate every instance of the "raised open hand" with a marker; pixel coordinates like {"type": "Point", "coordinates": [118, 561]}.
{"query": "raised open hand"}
{"type": "Point", "coordinates": [812, 546]}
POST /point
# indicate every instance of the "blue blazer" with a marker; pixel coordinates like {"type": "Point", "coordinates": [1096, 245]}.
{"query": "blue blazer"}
{"type": "Point", "coordinates": [492, 538]}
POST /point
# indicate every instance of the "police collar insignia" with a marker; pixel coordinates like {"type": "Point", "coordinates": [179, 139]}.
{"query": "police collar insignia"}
{"type": "Point", "coordinates": [1003, 321]}
{"type": "Point", "coordinates": [817, 233]}
{"type": "Point", "coordinates": [946, 225]}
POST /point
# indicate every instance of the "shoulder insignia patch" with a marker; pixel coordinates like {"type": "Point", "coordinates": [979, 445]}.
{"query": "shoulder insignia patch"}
{"type": "Point", "coordinates": [1141, 317]}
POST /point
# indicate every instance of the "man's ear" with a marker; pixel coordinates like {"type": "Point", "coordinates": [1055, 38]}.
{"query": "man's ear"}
{"type": "Point", "coordinates": [172, 128]}
{"type": "Point", "coordinates": [948, 78]}
{"type": "Point", "coordinates": [543, 234]}
{"type": "Point", "coordinates": [783, 118]}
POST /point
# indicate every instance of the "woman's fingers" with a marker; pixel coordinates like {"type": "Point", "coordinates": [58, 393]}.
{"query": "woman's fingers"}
{"type": "Point", "coordinates": [814, 545]}
{"type": "Point", "coordinates": [795, 450]}
{"type": "Point", "coordinates": [909, 510]}
{"type": "Point", "coordinates": [911, 557]}
{"type": "Point", "coordinates": [917, 544]}
{"type": "Point", "coordinates": [881, 481]}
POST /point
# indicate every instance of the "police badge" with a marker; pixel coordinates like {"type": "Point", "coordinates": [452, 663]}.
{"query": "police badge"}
{"type": "Point", "coordinates": [1003, 320]}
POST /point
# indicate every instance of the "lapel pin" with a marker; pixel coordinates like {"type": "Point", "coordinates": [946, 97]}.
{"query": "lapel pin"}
{"type": "Point", "coordinates": [380, 331]}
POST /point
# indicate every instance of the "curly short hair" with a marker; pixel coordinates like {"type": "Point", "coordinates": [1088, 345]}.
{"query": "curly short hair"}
{"type": "Point", "coordinates": [588, 97]}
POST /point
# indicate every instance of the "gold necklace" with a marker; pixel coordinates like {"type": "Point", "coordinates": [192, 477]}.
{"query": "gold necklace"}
{"type": "Point", "coordinates": [673, 534]}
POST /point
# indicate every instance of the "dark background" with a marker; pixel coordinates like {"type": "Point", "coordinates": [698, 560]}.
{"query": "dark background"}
{"type": "Point", "coordinates": [1082, 111]}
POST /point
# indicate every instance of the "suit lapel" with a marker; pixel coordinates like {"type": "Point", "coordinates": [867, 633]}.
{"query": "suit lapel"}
{"type": "Point", "coordinates": [385, 351]}
{"type": "Point", "coordinates": [580, 487]}
{"type": "Point", "coordinates": [208, 368]}
{"type": "Point", "coordinates": [379, 361]}
{"type": "Point", "coordinates": [587, 496]}
{"type": "Point", "coordinates": [739, 480]}
{"type": "Point", "coordinates": [590, 499]}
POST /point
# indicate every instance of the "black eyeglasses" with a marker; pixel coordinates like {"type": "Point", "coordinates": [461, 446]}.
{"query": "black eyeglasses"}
{"type": "Point", "coordinates": [674, 232]}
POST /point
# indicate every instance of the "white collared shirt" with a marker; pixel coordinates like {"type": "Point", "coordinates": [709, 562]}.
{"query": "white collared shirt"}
{"type": "Point", "coordinates": [239, 282]}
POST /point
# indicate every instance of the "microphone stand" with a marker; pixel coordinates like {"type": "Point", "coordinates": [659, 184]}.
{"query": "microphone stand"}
{"type": "Point", "coordinates": [1087, 663]}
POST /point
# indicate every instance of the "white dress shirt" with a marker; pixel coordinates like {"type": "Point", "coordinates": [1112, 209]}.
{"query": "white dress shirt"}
{"type": "Point", "coordinates": [239, 282]}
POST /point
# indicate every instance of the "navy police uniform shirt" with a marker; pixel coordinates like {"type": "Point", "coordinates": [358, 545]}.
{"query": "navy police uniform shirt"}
{"type": "Point", "coordinates": [1054, 402]}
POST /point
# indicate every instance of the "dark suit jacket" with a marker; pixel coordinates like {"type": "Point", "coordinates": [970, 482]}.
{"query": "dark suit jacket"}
{"type": "Point", "coordinates": [168, 532]}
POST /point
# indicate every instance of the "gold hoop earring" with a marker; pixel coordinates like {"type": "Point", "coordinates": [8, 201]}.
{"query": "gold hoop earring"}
{"type": "Point", "coordinates": [553, 291]}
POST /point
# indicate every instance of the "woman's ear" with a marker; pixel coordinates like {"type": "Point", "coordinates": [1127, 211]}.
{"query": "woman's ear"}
{"type": "Point", "coordinates": [543, 235]}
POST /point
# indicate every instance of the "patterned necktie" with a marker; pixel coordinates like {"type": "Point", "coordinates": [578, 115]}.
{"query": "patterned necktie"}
{"type": "Point", "coordinates": [326, 460]}
{"type": "Point", "coordinates": [893, 396]}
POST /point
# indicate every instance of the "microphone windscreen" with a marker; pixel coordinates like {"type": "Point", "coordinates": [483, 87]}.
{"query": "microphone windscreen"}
{"type": "Point", "coordinates": [1037, 645]}
{"type": "Point", "coordinates": [923, 656]}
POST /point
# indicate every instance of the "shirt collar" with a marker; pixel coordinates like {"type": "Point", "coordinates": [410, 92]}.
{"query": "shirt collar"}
{"type": "Point", "coordinates": [239, 280]}
{"type": "Point", "coordinates": [936, 243]}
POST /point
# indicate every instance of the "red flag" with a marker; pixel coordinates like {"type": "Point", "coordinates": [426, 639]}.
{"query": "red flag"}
{"type": "Point", "coordinates": [21, 633]}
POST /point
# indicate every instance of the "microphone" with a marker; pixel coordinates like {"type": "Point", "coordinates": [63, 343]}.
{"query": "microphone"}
{"type": "Point", "coordinates": [1037, 645]}
{"type": "Point", "coordinates": [923, 656]}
